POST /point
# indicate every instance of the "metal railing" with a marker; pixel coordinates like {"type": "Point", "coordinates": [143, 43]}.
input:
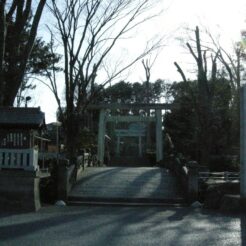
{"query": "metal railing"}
{"type": "Point", "coordinates": [220, 176]}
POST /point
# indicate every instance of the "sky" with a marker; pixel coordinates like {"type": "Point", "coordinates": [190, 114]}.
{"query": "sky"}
{"type": "Point", "coordinates": [223, 18]}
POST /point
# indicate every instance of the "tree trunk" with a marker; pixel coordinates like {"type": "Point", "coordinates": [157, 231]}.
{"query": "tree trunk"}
{"type": "Point", "coordinates": [204, 102]}
{"type": "Point", "coordinates": [2, 48]}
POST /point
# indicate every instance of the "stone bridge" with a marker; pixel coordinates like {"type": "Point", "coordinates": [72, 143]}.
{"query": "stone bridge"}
{"type": "Point", "coordinates": [124, 185]}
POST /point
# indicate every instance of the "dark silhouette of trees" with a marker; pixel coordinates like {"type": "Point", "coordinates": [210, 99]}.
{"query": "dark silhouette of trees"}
{"type": "Point", "coordinates": [183, 126]}
{"type": "Point", "coordinates": [41, 63]}
{"type": "Point", "coordinates": [203, 99]}
{"type": "Point", "coordinates": [208, 103]}
{"type": "Point", "coordinates": [17, 19]}
{"type": "Point", "coordinates": [126, 92]}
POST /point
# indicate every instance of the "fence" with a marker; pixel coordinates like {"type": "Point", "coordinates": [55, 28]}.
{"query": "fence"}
{"type": "Point", "coordinates": [26, 159]}
{"type": "Point", "coordinates": [219, 176]}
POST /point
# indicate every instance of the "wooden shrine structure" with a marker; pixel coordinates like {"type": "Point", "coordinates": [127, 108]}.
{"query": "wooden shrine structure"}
{"type": "Point", "coordinates": [20, 129]}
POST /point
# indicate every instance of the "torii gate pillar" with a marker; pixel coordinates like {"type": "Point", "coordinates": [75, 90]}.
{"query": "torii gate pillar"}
{"type": "Point", "coordinates": [158, 129]}
{"type": "Point", "coordinates": [101, 136]}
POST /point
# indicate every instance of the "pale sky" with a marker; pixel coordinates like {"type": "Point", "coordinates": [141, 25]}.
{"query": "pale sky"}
{"type": "Point", "coordinates": [224, 18]}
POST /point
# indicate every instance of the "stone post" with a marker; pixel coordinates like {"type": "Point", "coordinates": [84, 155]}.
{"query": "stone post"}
{"type": "Point", "coordinates": [192, 182]}
{"type": "Point", "coordinates": [243, 142]}
{"type": "Point", "coordinates": [66, 179]}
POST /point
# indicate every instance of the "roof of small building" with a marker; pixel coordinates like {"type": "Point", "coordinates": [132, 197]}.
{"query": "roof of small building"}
{"type": "Point", "coordinates": [22, 117]}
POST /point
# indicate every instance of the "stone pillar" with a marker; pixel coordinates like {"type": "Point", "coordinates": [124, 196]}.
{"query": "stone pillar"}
{"type": "Point", "coordinates": [118, 146]}
{"type": "Point", "coordinates": [159, 145]}
{"type": "Point", "coordinates": [65, 179]}
{"type": "Point", "coordinates": [243, 142]}
{"type": "Point", "coordinates": [101, 136]}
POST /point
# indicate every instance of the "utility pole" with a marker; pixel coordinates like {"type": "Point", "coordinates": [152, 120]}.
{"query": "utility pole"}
{"type": "Point", "coordinates": [243, 142]}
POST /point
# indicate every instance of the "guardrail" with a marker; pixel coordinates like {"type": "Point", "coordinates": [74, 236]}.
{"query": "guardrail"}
{"type": "Point", "coordinates": [26, 159]}
{"type": "Point", "coordinates": [223, 176]}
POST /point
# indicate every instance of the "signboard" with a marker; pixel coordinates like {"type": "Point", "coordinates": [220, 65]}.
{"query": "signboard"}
{"type": "Point", "coordinates": [134, 130]}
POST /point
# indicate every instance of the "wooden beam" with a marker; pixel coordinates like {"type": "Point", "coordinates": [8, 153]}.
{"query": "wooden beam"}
{"type": "Point", "coordinates": [129, 118]}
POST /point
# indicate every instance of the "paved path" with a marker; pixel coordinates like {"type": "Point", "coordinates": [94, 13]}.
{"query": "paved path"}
{"type": "Point", "coordinates": [130, 184]}
{"type": "Point", "coordinates": [122, 226]}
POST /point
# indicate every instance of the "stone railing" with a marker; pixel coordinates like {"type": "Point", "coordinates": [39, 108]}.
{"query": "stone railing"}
{"type": "Point", "coordinates": [83, 160]}
{"type": "Point", "coordinates": [26, 159]}
{"type": "Point", "coordinates": [187, 174]}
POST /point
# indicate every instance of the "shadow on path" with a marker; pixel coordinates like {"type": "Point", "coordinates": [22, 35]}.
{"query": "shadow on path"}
{"type": "Point", "coordinates": [132, 183]}
{"type": "Point", "coordinates": [123, 226]}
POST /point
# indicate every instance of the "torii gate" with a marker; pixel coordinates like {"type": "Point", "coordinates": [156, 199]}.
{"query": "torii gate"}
{"type": "Point", "coordinates": [104, 118]}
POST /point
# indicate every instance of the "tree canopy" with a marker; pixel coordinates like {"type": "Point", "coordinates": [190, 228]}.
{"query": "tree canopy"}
{"type": "Point", "coordinates": [18, 29]}
{"type": "Point", "coordinates": [41, 62]}
{"type": "Point", "coordinates": [126, 92]}
{"type": "Point", "coordinates": [206, 111]}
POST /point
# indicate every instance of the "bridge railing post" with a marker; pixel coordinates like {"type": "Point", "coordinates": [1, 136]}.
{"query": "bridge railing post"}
{"type": "Point", "coordinates": [187, 175]}
{"type": "Point", "coordinates": [192, 181]}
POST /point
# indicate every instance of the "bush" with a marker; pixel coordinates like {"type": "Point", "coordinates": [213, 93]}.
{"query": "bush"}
{"type": "Point", "coordinates": [223, 163]}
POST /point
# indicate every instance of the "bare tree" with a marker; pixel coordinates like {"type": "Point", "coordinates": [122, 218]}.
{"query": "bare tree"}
{"type": "Point", "coordinates": [88, 31]}
{"type": "Point", "coordinates": [147, 65]}
{"type": "Point", "coordinates": [234, 69]}
{"type": "Point", "coordinates": [203, 100]}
